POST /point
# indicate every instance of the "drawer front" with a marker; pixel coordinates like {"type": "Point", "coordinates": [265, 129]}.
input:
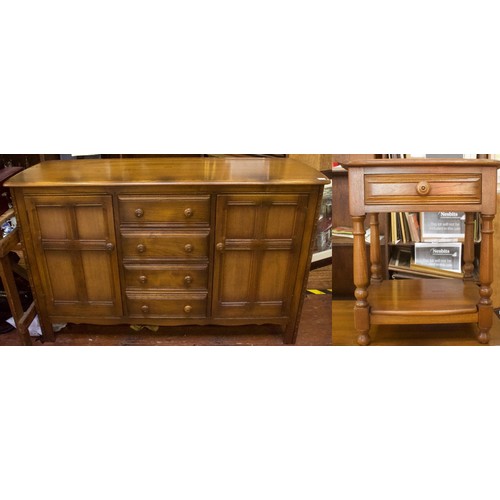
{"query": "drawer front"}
{"type": "Point", "coordinates": [144, 210]}
{"type": "Point", "coordinates": [435, 189]}
{"type": "Point", "coordinates": [162, 245]}
{"type": "Point", "coordinates": [180, 305]}
{"type": "Point", "coordinates": [185, 277]}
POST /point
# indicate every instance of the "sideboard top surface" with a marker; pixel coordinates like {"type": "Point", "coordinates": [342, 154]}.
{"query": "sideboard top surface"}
{"type": "Point", "coordinates": [167, 171]}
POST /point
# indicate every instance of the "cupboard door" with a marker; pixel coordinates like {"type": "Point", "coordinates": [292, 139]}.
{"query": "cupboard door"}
{"type": "Point", "coordinates": [258, 242]}
{"type": "Point", "coordinates": [75, 246]}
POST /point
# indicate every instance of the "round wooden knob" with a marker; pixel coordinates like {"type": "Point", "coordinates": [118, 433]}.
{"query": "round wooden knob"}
{"type": "Point", "coordinates": [220, 247]}
{"type": "Point", "coordinates": [139, 213]}
{"type": "Point", "coordinates": [143, 279]}
{"type": "Point", "coordinates": [188, 280]}
{"type": "Point", "coordinates": [110, 247]}
{"type": "Point", "coordinates": [423, 188]}
{"type": "Point", "coordinates": [188, 248]}
{"type": "Point", "coordinates": [188, 212]}
{"type": "Point", "coordinates": [187, 309]}
{"type": "Point", "coordinates": [145, 309]}
{"type": "Point", "coordinates": [141, 248]}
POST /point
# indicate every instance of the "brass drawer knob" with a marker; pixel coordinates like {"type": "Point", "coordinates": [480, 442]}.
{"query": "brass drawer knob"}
{"type": "Point", "coordinates": [143, 279]}
{"type": "Point", "coordinates": [188, 280]}
{"type": "Point", "coordinates": [423, 188]}
{"type": "Point", "coordinates": [187, 309]}
{"type": "Point", "coordinates": [139, 213]}
{"type": "Point", "coordinates": [141, 248]}
{"type": "Point", "coordinates": [110, 247]}
{"type": "Point", "coordinates": [188, 212]}
{"type": "Point", "coordinates": [188, 248]}
{"type": "Point", "coordinates": [219, 247]}
{"type": "Point", "coordinates": [145, 309]}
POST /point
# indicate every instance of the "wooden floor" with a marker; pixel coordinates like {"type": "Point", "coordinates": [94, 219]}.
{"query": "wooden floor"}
{"type": "Point", "coordinates": [408, 335]}
{"type": "Point", "coordinates": [315, 328]}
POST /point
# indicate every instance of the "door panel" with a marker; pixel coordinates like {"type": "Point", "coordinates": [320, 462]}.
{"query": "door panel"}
{"type": "Point", "coordinates": [75, 246]}
{"type": "Point", "coordinates": [277, 266]}
{"type": "Point", "coordinates": [240, 217]}
{"type": "Point", "coordinates": [91, 222]}
{"type": "Point", "coordinates": [234, 276]}
{"type": "Point", "coordinates": [258, 240]}
{"type": "Point", "coordinates": [52, 222]}
{"type": "Point", "coordinates": [96, 264]}
{"type": "Point", "coordinates": [280, 220]}
{"type": "Point", "coordinates": [61, 264]}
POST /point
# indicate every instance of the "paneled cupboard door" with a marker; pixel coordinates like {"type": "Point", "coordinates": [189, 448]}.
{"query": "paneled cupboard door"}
{"type": "Point", "coordinates": [257, 245]}
{"type": "Point", "coordinates": [75, 246]}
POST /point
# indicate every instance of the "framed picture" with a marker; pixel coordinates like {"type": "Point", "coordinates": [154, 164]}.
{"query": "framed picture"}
{"type": "Point", "coordinates": [447, 256]}
{"type": "Point", "coordinates": [442, 226]}
{"type": "Point", "coordinates": [423, 155]}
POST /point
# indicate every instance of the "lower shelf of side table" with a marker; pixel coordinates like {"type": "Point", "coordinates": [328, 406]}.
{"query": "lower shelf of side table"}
{"type": "Point", "coordinates": [423, 301]}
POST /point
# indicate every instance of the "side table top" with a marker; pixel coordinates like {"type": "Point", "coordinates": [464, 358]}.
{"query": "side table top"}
{"type": "Point", "coordinates": [423, 162]}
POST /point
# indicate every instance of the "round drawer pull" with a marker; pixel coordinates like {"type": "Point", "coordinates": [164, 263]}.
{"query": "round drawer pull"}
{"type": "Point", "coordinates": [188, 280]}
{"type": "Point", "coordinates": [187, 309]}
{"type": "Point", "coordinates": [145, 309]}
{"type": "Point", "coordinates": [139, 213]}
{"type": "Point", "coordinates": [220, 247]}
{"type": "Point", "coordinates": [188, 212]}
{"type": "Point", "coordinates": [141, 248]}
{"type": "Point", "coordinates": [110, 247]}
{"type": "Point", "coordinates": [188, 248]}
{"type": "Point", "coordinates": [423, 188]}
{"type": "Point", "coordinates": [143, 279]}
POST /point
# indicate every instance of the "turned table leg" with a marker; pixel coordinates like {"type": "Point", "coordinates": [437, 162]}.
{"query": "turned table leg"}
{"type": "Point", "coordinates": [361, 308]}
{"type": "Point", "coordinates": [485, 308]}
{"type": "Point", "coordinates": [375, 258]}
{"type": "Point", "coordinates": [469, 247]}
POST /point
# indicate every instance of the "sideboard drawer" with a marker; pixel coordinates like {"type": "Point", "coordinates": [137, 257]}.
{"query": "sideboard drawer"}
{"type": "Point", "coordinates": [435, 189]}
{"type": "Point", "coordinates": [180, 305]}
{"type": "Point", "coordinates": [183, 277]}
{"type": "Point", "coordinates": [144, 210]}
{"type": "Point", "coordinates": [160, 245]}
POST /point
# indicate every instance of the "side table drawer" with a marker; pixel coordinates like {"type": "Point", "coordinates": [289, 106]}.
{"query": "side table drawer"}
{"type": "Point", "coordinates": [436, 189]}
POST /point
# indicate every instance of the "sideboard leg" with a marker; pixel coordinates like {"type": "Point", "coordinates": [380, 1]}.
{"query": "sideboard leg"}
{"type": "Point", "coordinates": [290, 332]}
{"type": "Point", "coordinates": [485, 308]}
{"type": "Point", "coordinates": [361, 280]}
{"type": "Point", "coordinates": [48, 334]}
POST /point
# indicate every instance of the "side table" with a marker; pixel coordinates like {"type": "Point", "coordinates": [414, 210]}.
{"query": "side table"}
{"type": "Point", "coordinates": [422, 185]}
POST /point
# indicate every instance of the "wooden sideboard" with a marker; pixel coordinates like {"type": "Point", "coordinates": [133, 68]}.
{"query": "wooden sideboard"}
{"type": "Point", "coordinates": [169, 241]}
{"type": "Point", "coordinates": [381, 186]}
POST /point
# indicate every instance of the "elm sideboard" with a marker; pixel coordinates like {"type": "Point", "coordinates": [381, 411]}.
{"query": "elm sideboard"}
{"type": "Point", "coordinates": [168, 241]}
